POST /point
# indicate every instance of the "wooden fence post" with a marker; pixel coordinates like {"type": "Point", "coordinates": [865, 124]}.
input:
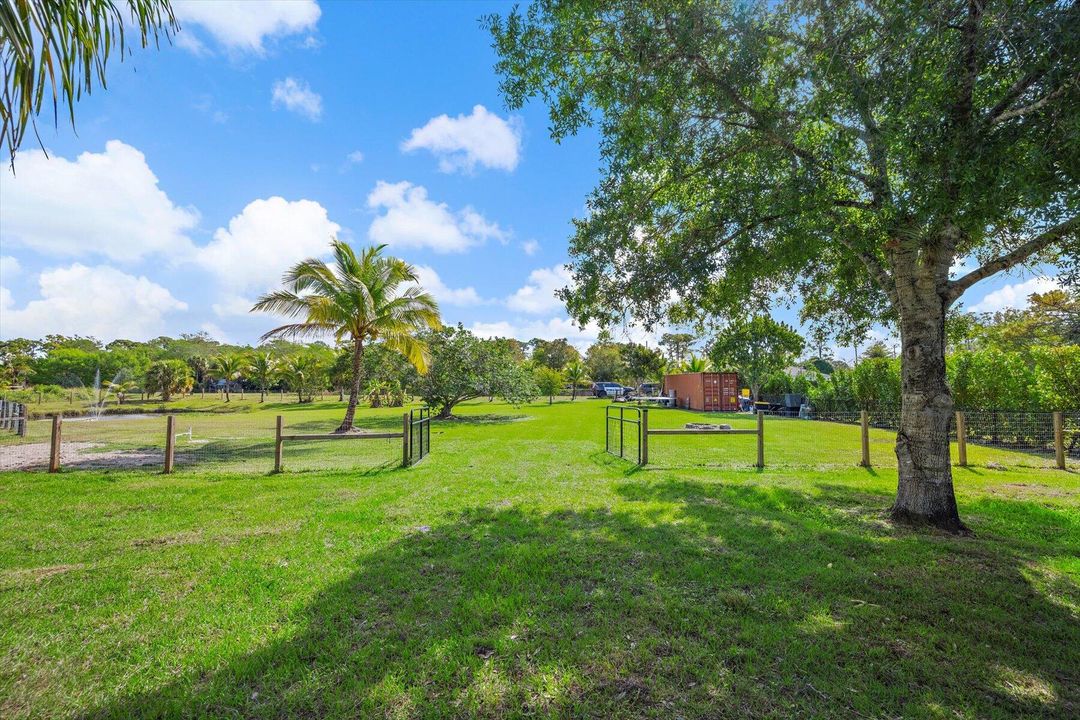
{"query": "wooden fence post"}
{"type": "Point", "coordinates": [405, 439]}
{"type": "Point", "coordinates": [864, 422]}
{"type": "Point", "coordinates": [761, 439]}
{"type": "Point", "coordinates": [54, 447]}
{"type": "Point", "coordinates": [278, 442]}
{"type": "Point", "coordinates": [644, 430]}
{"type": "Point", "coordinates": [170, 442]}
{"type": "Point", "coordinates": [1059, 439]}
{"type": "Point", "coordinates": [24, 422]}
{"type": "Point", "coordinates": [961, 438]}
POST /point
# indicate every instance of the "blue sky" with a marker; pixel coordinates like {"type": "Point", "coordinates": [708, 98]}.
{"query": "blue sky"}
{"type": "Point", "coordinates": [206, 168]}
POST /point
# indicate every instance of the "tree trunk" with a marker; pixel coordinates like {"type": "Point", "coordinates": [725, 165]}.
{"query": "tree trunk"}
{"type": "Point", "coordinates": [227, 391]}
{"type": "Point", "coordinates": [262, 393]}
{"type": "Point", "coordinates": [354, 391]}
{"type": "Point", "coordinates": [924, 494]}
{"type": "Point", "coordinates": [573, 393]}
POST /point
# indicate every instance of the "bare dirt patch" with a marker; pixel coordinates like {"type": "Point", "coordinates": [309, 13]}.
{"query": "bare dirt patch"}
{"type": "Point", "coordinates": [81, 455]}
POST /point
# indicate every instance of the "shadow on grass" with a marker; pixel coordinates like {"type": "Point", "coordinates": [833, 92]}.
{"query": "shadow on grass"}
{"type": "Point", "coordinates": [694, 600]}
{"type": "Point", "coordinates": [482, 419]}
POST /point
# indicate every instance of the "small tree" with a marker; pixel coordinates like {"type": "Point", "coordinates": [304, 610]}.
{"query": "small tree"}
{"type": "Point", "coordinates": [302, 373]}
{"type": "Point", "coordinates": [548, 382]}
{"type": "Point", "coordinates": [464, 367]}
{"type": "Point", "coordinates": [642, 363]}
{"type": "Point", "coordinates": [604, 362]}
{"type": "Point", "coordinates": [168, 377]}
{"type": "Point", "coordinates": [575, 375]}
{"type": "Point", "coordinates": [757, 347]}
{"type": "Point", "coordinates": [226, 368]}
{"type": "Point", "coordinates": [263, 367]}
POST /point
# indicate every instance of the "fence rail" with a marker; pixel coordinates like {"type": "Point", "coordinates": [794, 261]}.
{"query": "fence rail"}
{"type": "Point", "coordinates": [218, 441]}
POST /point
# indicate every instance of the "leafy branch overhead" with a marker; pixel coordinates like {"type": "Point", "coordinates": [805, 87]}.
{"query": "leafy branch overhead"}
{"type": "Point", "coordinates": [830, 142]}
{"type": "Point", "coordinates": [59, 49]}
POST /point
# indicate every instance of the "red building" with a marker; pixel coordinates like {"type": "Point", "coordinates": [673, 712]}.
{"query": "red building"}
{"type": "Point", "coordinates": [709, 391]}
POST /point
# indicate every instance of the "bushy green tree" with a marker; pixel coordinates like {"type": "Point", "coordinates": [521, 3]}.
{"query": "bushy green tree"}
{"type": "Point", "coordinates": [555, 354]}
{"type": "Point", "coordinates": [875, 384]}
{"type": "Point", "coordinates": [758, 347]}
{"type": "Point", "coordinates": [845, 150]}
{"type": "Point", "coordinates": [642, 363]}
{"type": "Point", "coordinates": [548, 382]}
{"type": "Point", "coordinates": [463, 367]}
{"type": "Point", "coordinates": [604, 362]}
{"type": "Point", "coordinates": [1057, 375]}
{"type": "Point", "coordinates": [168, 377]}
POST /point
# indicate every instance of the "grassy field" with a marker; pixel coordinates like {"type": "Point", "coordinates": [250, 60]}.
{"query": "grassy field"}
{"type": "Point", "coordinates": [520, 571]}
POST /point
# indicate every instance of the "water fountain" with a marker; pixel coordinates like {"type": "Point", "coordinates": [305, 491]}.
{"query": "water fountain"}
{"type": "Point", "coordinates": [96, 406]}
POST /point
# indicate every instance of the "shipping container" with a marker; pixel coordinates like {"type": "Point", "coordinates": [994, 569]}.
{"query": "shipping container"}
{"type": "Point", "coordinates": [709, 391]}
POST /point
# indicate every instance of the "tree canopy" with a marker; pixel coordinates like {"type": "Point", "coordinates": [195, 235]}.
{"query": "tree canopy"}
{"type": "Point", "coordinates": [846, 151]}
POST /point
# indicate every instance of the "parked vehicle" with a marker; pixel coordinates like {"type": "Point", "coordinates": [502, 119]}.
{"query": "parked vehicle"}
{"type": "Point", "coordinates": [609, 390]}
{"type": "Point", "coordinates": [649, 389]}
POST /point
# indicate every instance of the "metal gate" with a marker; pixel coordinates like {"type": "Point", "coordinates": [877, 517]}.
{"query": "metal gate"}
{"type": "Point", "coordinates": [419, 434]}
{"type": "Point", "coordinates": [623, 432]}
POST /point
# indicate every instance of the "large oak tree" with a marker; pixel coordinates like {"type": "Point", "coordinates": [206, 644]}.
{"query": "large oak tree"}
{"type": "Point", "coordinates": [851, 150]}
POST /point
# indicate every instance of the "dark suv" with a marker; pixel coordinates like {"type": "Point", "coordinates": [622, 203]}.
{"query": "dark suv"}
{"type": "Point", "coordinates": [608, 389]}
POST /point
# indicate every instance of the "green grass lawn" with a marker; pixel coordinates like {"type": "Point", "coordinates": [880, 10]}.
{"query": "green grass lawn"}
{"type": "Point", "coordinates": [520, 571]}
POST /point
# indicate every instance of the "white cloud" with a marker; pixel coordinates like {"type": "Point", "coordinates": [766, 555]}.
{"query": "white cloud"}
{"type": "Point", "coordinates": [410, 220]}
{"type": "Point", "coordinates": [463, 142]}
{"type": "Point", "coordinates": [232, 305]}
{"type": "Point", "coordinates": [261, 243]}
{"type": "Point", "coordinates": [215, 332]}
{"type": "Point", "coordinates": [1014, 295]}
{"type": "Point", "coordinates": [99, 204]}
{"type": "Point", "coordinates": [8, 267]}
{"type": "Point", "coordinates": [537, 296]}
{"type": "Point", "coordinates": [355, 157]}
{"type": "Point", "coordinates": [100, 301]}
{"type": "Point", "coordinates": [298, 97]}
{"type": "Point", "coordinates": [562, 327]}
{"type": "Point", "coordinates": [243, 25]}
{"type": "Point", "coordinates": [531, 247]}
{"type": "Point", "coordinates": [430, 281]}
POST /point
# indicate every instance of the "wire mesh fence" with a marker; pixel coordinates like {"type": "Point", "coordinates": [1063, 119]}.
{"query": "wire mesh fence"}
{"type": "Point", "coordinates": [229, 443]}
{"type": "Point", "coordinates": [835, 440]}
{"type": "Point", "coordinates": [29, 451]}
{"type": "Point", "coordinates": [218, 442]}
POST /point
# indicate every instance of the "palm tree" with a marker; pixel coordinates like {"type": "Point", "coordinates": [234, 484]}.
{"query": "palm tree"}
{"type": "Point", "coordinates": [61, 49]}
{"type": "Point", "coordinates": [262, 367]}
{"type": "Point", "coordinates": [696, 364]}
{"type": "Point", "coordinates": [227, 368]}
{"type": "Point", "coordinates": [121, 388]}
{"type": "Point", "coordinates": [300, 372]}
{"type": "Point", "coordinates": [360, 299]}
{"type": "Point", "coordinates": [575, 374]}
{"type": "Point", "coordinates": [168, 377]}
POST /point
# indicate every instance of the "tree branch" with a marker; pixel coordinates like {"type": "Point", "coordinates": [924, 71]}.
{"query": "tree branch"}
{"type": "Point", "coordinates": [1037, 105]}
{"type": "Point", "coordinates": [1013, 258]}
